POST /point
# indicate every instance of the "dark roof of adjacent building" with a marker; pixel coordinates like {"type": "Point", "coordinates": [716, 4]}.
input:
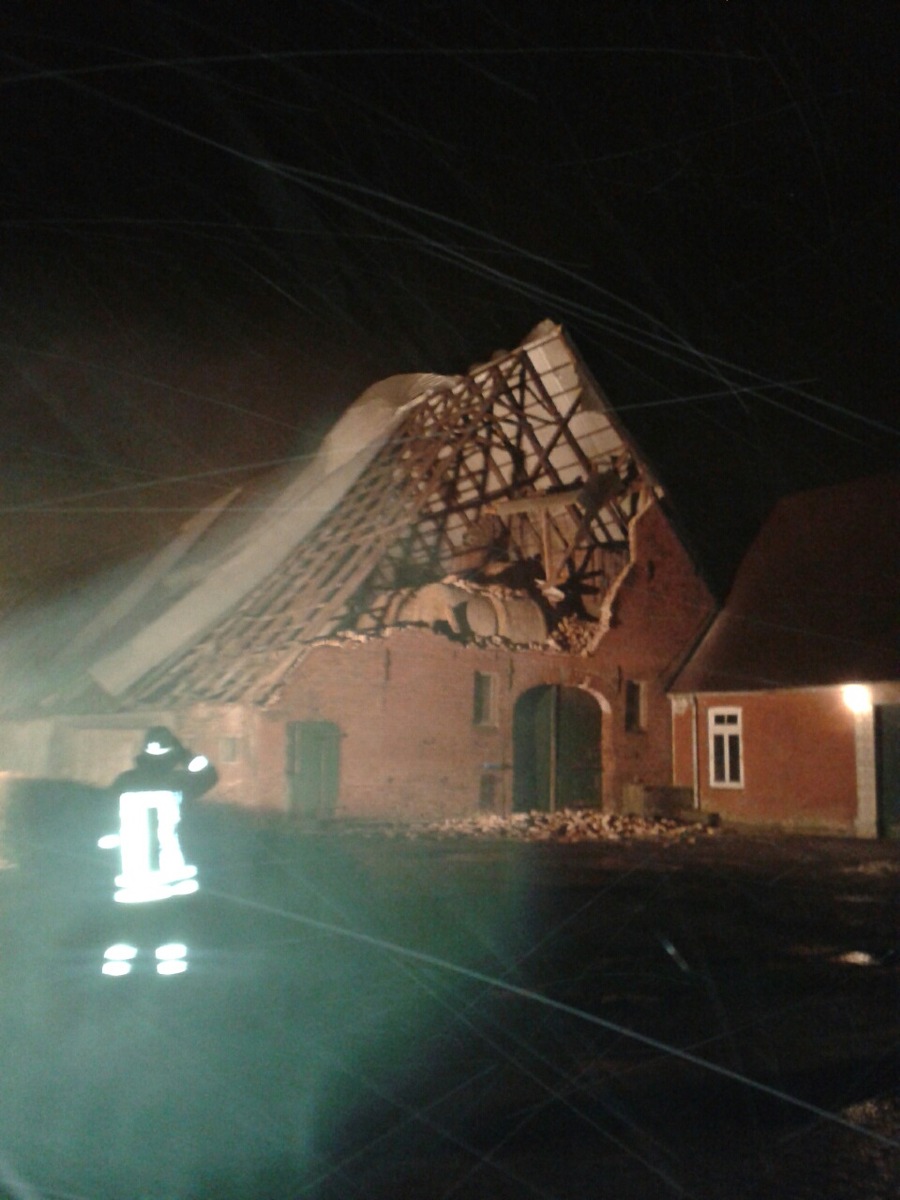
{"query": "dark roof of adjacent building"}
{"type": "Point", "coordinates": [816, 600]}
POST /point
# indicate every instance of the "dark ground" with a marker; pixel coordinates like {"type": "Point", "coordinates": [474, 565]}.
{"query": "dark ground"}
{"type": "Point", "coordinates": [385, 1017]}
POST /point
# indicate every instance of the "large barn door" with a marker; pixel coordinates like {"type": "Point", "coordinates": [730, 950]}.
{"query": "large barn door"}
{"type": "Point", "coordinates": [556, 750]}
{"type": "Point", "coordinates": [313, 767]}
{"type": "Point", "coordinates": [887, 742]}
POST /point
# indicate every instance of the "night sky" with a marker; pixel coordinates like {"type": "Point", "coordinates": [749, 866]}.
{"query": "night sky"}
{"type": "Point", "coordinates": [222, 221]}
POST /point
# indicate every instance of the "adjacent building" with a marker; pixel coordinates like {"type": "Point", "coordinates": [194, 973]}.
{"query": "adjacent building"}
{"type": "Point", "coordinates": [788, 714]}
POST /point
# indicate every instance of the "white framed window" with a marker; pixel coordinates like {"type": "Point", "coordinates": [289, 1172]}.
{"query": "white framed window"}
{"type": "Point", "coordinates": [484, 699]}
{"type": "Point", "coordinates": [726, 748]}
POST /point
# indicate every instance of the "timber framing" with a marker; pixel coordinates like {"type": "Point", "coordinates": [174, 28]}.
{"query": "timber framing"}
{"type": "Point", "coordinates": [514, 474]}
{"type": "Point", "coordinates": [493, 507]}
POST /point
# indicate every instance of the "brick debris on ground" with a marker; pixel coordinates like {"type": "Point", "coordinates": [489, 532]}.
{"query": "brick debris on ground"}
{"type": "Point", "coordinates": [566, 825]}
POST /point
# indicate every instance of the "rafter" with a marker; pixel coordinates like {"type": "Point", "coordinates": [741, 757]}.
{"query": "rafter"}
{"type": "Point", "coordinates": [516, 442]}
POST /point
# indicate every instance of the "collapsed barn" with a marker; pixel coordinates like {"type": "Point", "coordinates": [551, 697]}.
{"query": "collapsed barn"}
{"type": "Point", "coordinates": [473, 597]}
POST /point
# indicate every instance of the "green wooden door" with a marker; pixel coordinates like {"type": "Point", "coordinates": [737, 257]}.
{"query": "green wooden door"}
{"type": "Point", "coordinates": [556, 750]}
{"type": "Point", "coordinates": [313, 767]}
{"type": "Point", "coordinates": [578, 750]}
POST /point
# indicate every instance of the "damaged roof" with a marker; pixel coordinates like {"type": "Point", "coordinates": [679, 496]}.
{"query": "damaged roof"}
{"type": "Point", "coordinates": [517, 465]}
{"type": "Point", "coordinates": [816, 600]}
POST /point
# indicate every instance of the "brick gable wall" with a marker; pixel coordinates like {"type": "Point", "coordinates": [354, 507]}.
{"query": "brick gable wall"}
{"type": "Point", "coordinates": [409, 747]}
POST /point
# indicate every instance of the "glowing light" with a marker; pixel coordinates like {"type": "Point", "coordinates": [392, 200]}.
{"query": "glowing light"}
{"type": "Point", "coordinates": [153, 866]}
{"type": "Point", "coordinates": [198, 763]}
{"type": "Point", "coordinates": [120, 952]}
{"type": "Point", "coordinates": [109, 841]}
{"type": "Point", "coordinates": [171, 950]}
{"type": "Point", "coordinates": [146, 891]}
{"type": "Point", "coordinates": [857, 697]}
{"type": "Point", "coordinates": [171, 959]}
{"type": "Point", "coordinates": [171, 966]}
{"type": "Point", "coordinates": [185, 887]}
{"type": "Point", "coordinates": [857, 958]}
{"type": "Point", "coordinates": [116, 967]}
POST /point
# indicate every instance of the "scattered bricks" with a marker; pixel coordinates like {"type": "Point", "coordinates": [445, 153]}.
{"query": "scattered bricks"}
{"type": "Point", "coordinates": [567, 826]}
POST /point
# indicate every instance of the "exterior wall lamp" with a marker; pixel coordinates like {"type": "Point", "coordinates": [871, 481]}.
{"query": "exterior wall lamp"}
{"type": "Point", "coordinates": [857, 697]}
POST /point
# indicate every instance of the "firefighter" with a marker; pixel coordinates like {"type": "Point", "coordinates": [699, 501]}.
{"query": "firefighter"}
{"type": "Point", "coordinates": [153, 865]}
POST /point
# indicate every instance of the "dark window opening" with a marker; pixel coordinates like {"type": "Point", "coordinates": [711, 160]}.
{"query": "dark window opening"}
{"type": "Point", "coordinates": [229, 749]}
{"type": "Point", "coordinates": [634, 706]}
{"type": "Point", "coordinates": [483, 699]}
{"type": "Point", "coordinates": [487, 793]}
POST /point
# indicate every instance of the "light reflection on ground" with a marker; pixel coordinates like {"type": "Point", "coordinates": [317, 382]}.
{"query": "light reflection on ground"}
{"type": "Point", "coordinates": [288, 1061]}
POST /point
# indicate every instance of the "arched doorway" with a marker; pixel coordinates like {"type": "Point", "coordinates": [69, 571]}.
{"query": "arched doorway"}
{"type": "Point", "coordinates": [313, 767]}
{"type": "Point", "coordinates": [556, 749]}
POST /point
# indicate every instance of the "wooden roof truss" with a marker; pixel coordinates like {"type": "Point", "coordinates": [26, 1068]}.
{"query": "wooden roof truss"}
{"type": "Point", "coordinates": [524, 432]}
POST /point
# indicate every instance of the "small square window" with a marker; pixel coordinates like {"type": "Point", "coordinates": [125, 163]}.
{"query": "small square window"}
{"type": "Point", "coordinates": [484, 699]}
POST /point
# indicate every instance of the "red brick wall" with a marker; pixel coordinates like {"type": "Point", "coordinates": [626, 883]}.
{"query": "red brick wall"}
{"type": "Point", "coordinates": [799, 759]}
{"type": "Point", "coordinates": [660, 609]}
{"type": "Point", "coordinates": [682, 741]}
{"type": "Point", "coordinates": [404, 703]}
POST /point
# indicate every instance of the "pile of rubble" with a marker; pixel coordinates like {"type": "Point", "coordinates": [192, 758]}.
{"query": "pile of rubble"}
{"type": "Point", "coordinates": [567, 825]}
